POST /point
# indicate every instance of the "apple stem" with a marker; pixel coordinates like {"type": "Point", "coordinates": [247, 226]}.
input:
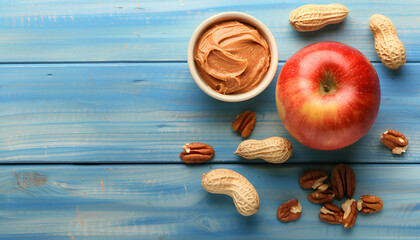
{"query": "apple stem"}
{"type": "Point", "coordinates": [326, 88]}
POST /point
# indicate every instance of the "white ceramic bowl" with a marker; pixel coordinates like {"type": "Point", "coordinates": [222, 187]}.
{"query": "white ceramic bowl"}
{"type": "Point", "coordinates": [244, 18]}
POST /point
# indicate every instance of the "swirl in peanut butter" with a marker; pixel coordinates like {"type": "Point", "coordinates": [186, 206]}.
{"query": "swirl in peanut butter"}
{"type": "Point", "coordinates": [232, 57]}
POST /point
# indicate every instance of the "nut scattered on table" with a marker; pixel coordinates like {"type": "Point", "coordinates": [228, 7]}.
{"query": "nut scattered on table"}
{"type": "Point", "coordinates": [233, 184]}
{"type": "Point", "coordinates": [331, 213]}
{"type": "Point", "coordinates": [322, 194]}
{"type": "Point", "coordinates": [395, 141]}
{"type": "Point", "coordinates": [313, 17]}
{"type": "Point", "coordinates": [369, 204]}
{"type": "Point", "coordinates": [388, 46]}
{"type": "Point", "coordinates": [343, 181]}
{"type": "Point", "coordinates": [196, 153]}
{"type": "Point", "coordinates": [244, 123]}
{"type": "Point", "coordinates": [350, 213]}
{"type": "Point", "coordinates": [289, 211]}
{"type": "Point", "coordinates": [312, 179]}
{"type": "Point", "coordinates": [272, 150]}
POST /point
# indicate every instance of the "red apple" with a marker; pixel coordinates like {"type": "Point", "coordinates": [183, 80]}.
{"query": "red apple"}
{"type": "Point", "coordinates": [328, 95]}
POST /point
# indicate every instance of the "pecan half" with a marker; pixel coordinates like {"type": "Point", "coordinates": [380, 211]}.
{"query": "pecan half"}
{"type": "Point", "coordinates": [196, 153]}
{"type": "Point", "coordinates": [343, 181]}
{"type": "Point", "coordinates": [312, 179]}
{"type": "Point", "coordinates": [323, 194]}
{"type": "Point", "coordinates": [331, 213]}
{"type": "Point", "coordinates": [244, 123]}
{"type": "Point", "coordinates": [350, 213]}
{"type": "Point", "coordinates": [395, 141]}
{"type": "Point", "coordinates": [369, 204]}
{"type": "Point", "coordinates": [289, 211]}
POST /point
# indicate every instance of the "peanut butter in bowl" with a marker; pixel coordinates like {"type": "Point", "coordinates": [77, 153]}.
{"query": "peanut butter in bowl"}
{"type": "Point", "coordinates": [232, 57]}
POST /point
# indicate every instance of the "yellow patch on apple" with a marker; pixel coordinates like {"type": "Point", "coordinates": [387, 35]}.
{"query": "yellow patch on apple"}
{"type": "Point", "coordinates": [318, 111]}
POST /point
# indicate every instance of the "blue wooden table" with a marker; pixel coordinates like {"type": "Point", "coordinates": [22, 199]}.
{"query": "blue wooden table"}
{"type": "Point", "coordinates": [96, 102]}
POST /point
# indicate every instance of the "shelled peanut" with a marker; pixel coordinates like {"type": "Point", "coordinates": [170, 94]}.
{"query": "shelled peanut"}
{"type": "Point", "coordinates": [313, 17]}
{"type": "Point", "coordinates": [273, 150]}
{"type": "Point", "coordinates": [388, 46]}
{"type": "Point", "coordinates": [233, 184]}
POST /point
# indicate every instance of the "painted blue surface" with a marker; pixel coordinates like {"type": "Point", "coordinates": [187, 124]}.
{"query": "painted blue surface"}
{"type": "Point", "coordinates": [107, 82]}
{"type": "Point", "coordinates": [167, 202]}
{"type": "Point", "coordinates": [110, 30]}
{"type": "Point", "coordinates": [147, 112]}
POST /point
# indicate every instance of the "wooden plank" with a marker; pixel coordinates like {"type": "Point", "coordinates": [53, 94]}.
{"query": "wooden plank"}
{"type": "Point", "coordinates": [111, 30]}
{"type": "Point", "coordinates": [167, 202]}
{"type": "Point", "coordinates": [147, 112]}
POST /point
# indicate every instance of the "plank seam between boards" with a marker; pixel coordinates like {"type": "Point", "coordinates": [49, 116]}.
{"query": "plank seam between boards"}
{"type": "Point", "coordinates": [126, 61]}
{"type": "Point", "coordinates": [208, 164]}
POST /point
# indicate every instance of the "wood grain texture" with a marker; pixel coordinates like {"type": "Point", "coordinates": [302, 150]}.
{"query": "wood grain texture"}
{"type": "Point", "coordinates": [113, 30]}
{"type": "Point", "coordinates": [147, 112]}
{"type": "Point", "coordinates": [107, 82]}
{"type": "Point", "coordinates": [167, 202]}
